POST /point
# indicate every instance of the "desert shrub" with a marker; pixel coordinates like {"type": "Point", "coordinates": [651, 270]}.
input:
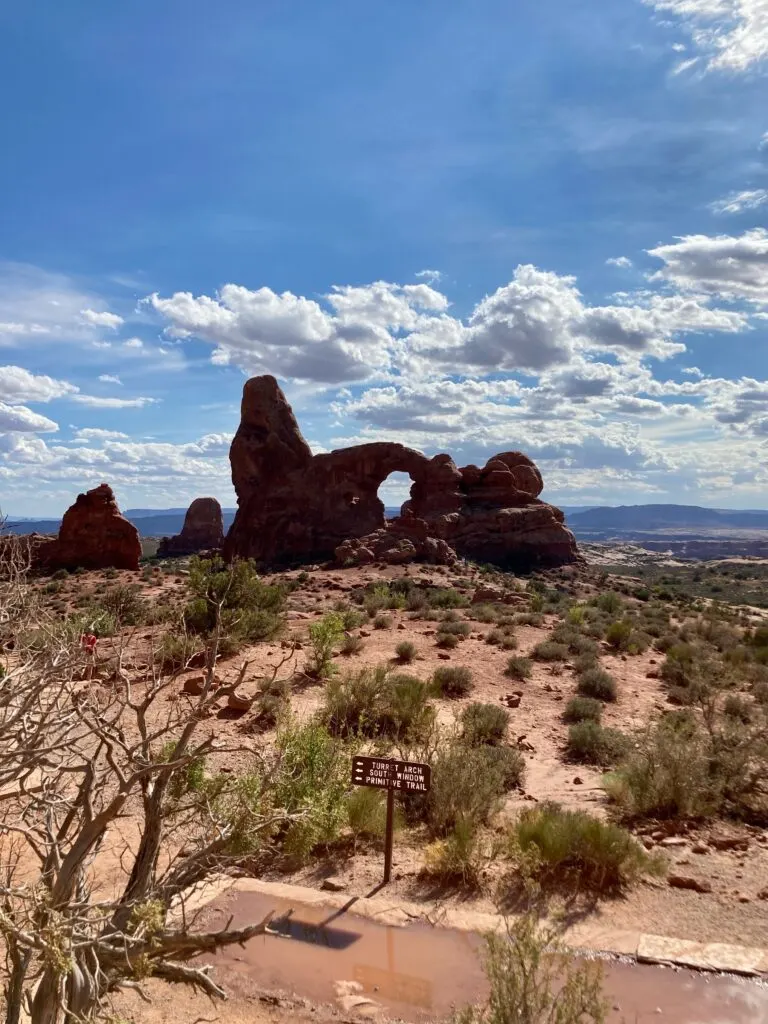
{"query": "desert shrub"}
{"type": "Point", "coordinates": [509, 642]}
{"type": "Point", "coordinates": [312, 784]}
{"type": "Point", "coordinates": [324, 635]}
{"type": "Point", "coordinates": [483, 613]}
{"type": "Point", "coordinates": [126, 604]}
{"type": "Point", "coordinates": [177, 649]}
{"type": "Point", "coordinates": [510, 764]}
{"type": "Point", "coordinates": [598, 684]}
{"type": "Point", "coordinates": [452, 681]}
{"type": "Point", "coordinates": [738, 708]}
{"type": "Point", "coordinates": [583, 709]}
{"type": "Point", "coordinates": [467, 785]}
{"type": "Point", "coordinates": [484, 724]}
{"type": "Point", "coordinates": [618, 634]}
{"type": "Point", "coordinates": [494, 636]}
{"type": "Point", "coordinates": [405, 651]}
{"type": "Point", "coordinates": [383, 621]}
{"type": "Point", "coordinates": [548, 650]}
{"type": "Point", "coordinates": [529, 619]}
{"type": "Point", "coordinates": [351, 618]}
{"type": "Point", "coordinates": [519, 667]}
{"type": "Point", "coordinates": [416, 600]}
{"type": "Point", "coordinates": [456, 628]}
{"type": "Point", "coordinates": [584, 662]}
{"type": "Point", "coordinates": [534, 979]}
{"type": "Point", "coordinates": [377, 703]}
{"type": "Point", "coordinates": [60, 574]}
{"type": "Point", "coordinates": [575, 846]}
{"type": "Point", "coordinates": [233, 602]}
{"type": "Point", "coordinates": [592, 743]}
{"type": "Point", "coordinates": [367, 813]}
{"type": "Point", "coordinates": [684, 766]}
{"type": "Point", "coordinates": [352, 645]}
{"type": "Point", "coordinates": [447, 641]}
{"type": "Point", "coordinates": [458, 857]}
{"type": "Point", "coordinates": [272, 702]}
{"type": "Point", "coordinates": [450, 616]}
{"type": "Point", "coordinates": [444, 597]}
{"type": "Point", "coordinates": [609, 602]}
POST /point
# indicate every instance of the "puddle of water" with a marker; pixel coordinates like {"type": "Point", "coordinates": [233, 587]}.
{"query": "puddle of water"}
{"type": "Point", "coordinates": [419, 973]}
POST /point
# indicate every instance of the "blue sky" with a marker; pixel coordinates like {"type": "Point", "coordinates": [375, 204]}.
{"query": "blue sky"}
{"type": "Point", "coordinates": [470, 227]}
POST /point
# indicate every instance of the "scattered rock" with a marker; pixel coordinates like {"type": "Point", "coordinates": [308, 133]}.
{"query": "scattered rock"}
{"type": "Point", "coordinates": [194, 686]}
{"type": "Point", "coordinates": [700, 848]}
{"type": "Point", "coordinates": [674, 841]}
{"type": "Point", "coordinates": [238, 701]}
{"type": "Point", "coordinates": [443, 656]}
{"type": "Point", "coordinates": [578, 781]}
{"type": "Point", "coordinates": [729, 842]}
{"type": "Point", "coordinates": [688, 882]}
{"type": "Point", "coordinates": [333, 884]}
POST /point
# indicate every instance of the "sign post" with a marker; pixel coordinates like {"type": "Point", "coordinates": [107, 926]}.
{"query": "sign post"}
{"type": "Point", "coordinates": [394, 776]}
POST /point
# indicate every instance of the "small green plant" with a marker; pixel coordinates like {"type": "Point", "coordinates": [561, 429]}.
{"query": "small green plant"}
{"type": "Point", "coordinates": [534, 979]}
{"type": "Point", "coordinates": [405, 652]}
{"type": "Point", "coordinates": [324, 635]}
{"type": "Point", "coordinates": [598, 684]}
{"type": "Point", "coordinates": [610, 602]}
{"type": "Point", "coordinates": [383, 621]}
{"type": "Point", "coordinates": [60, 574]}
{"type": "Point", "coordinates": [456, 628]}
{"type": "Point", "coordinates": [518, 667]}
{"type": "Point", "coordinates": [484, 724]}
{"type": "Point", "coordinates": [367, 813]}
{"type": "Point", "coordinates": [452, 681]}
{"type": "Point", "coordinates": [592, 743]}
{"type": "Point", "coordinates": [575, 846]}
{"type": "Point", "coordinates": [467, 785]}
{"type": "Point", "coordinates": [582, 709]}
{"type": "Point", "coordinates": [377, 703]}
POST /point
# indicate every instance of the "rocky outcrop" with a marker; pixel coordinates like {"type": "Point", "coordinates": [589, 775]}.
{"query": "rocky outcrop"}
{"type": "Point", "coordinates": [295, 506]}
{"type": "Point", "coordinates": [93, 535]}
{"type": "Point", "coordinates": [203, 530]}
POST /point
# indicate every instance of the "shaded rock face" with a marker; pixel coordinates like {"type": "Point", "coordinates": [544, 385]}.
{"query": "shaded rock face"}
{"type": "Point", "coordinates": [93, 535]}
{"type": "Point", "coordinates": [203, 530]}
{"type": "Point", "coordinates": [295, 506]}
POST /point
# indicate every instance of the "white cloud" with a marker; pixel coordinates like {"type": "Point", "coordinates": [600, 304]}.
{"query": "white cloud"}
{"type": "Point", "coordinates": [18, 385]}
{"type": "Point", "coordinates": [95, 402]}
{"type": "Point", "coordinates": [732, 34]}
{"type": "Point", "coordinates": [133, 343]}
{"type": "Point", "coordinates": [732, 267]}
{"type": "Point", "coordinates": [432, 276]}
{"type": "Point", "coordinates": [737, 202]}
{"type": "Point", "coordinates": [619, 261]}
{"type": "Point", "coordinates": [101, 319]}
{"type": "Point", "coordinates": [19, 418]}
{"type": "Point", "coordinates": [109, 378]}
{"type": "Point", "coordinates": [85, 434]}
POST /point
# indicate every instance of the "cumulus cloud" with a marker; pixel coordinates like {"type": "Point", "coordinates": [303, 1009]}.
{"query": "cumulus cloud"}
{"type": "Point", "coordinates": [133, 343]}
{"type": "Point", "coordinates": [109, 378]}
{"type": "Point", "coordinates": [732, 34]}
{"type": "Point", "coordinates": [101, 319]}
{"type": "Point", "coordinates": [432, 276]}
{"type": "Point", "coordinates": [86, 434]}
{"type": "Point", "coordinates": [619, 261]}
{"type": "Point", "coordinates": [18, 385]}
{"type": "Point", "coordinates": [19, 418]}
{"type": "Point", "coordinates": [737, 202]}
{"type": "Point", "coordinates": [724, 265]}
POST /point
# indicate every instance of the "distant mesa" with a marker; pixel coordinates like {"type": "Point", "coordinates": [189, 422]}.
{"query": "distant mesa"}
{"type": "Point", "coordinates": [203, 530]}
{"type": "Point", "coordinates": [295, 506]}
{"type": "Point", "coordinates": [93, 535]}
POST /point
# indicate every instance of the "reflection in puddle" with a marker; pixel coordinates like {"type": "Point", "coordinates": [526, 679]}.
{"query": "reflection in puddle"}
{"type": "Point", "coordinates": [419, 973]}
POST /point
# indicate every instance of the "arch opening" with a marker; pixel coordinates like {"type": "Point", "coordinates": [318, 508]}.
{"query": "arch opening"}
{"type": "Point", "coordinates": [393, 491]}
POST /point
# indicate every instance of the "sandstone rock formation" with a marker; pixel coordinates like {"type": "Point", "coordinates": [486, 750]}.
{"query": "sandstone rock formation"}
{"type": "Point", "coordinates": [93, 535]}
{"type": "Point", "coordinates": [293, 505]}
{"type": "Point", "coordinates": [203, 530]}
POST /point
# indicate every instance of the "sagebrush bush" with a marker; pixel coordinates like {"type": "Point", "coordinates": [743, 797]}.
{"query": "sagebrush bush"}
{"type": "Point", "coordinates": [447, 641]}
{"type": "Point", "coordinates": [484, 724]}
{"type": "Point", "coordinates": [592, 743]}
{"type": "Point", "coordinates": [458, 857]}
{"type": "Point", "coordinates": [324, 635]}
{"type": "Point", "coordinates": [383, 621]}
{"type": "Point", "coordinates": [618, 634]}
{"type": "Point", "coordinates": [583, 709]}
{"type": "Point", "coordinates": [574, 845]}
{"type": "Point", "coordinates": [405, 651]}
{"type": "Point", "coordinates": [352, 645]}
{"type": "Point", "coordinates": [455, 628]}
{"type": "Point", "coordinates": [378, 703]}
{"type": "Point", "coordinates": [598, 684]}
{"type": "Point", "coordinates": [549, 650]}
{"type": "Point", "coordinates": [452, 681]}
{"type": "Point", "coordinates": [467, 785]}
{"type": "Point", "coordinates": [367, 813]}
{"type": "Point", "coordinates": [519, 667]}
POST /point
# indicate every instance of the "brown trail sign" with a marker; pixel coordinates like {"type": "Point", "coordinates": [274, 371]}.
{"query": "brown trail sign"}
{"type": "Point", "coordinates": [395, 777]}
